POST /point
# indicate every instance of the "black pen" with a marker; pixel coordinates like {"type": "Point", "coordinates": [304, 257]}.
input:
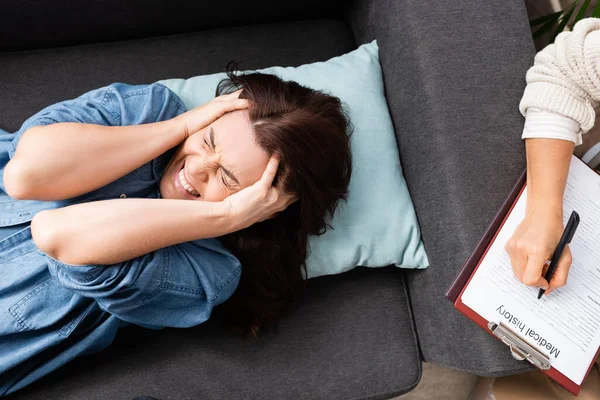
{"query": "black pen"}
{"type": "Point", "coordinates": [565, 239]}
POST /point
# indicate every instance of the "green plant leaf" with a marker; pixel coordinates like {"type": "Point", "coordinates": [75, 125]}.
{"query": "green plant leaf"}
{"type": "Point", "coordinates": [550, 17]}
{"type": "Point", "coordinates": [543, 29]}
{"type": "Point", "coordinates": [596, 12]}
{"type": "Point", "coordinates": [563, 23]}
{"type": "Point", "coordinates": [582, 11]}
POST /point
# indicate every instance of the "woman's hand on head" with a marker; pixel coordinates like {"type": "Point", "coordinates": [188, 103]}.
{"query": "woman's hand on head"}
{"type": "Point", "coordinates": [260, 201]}
{"type": "Point", "coordinates": [200, 117]}
{"type": "Point", "coordinates": [533, 243]}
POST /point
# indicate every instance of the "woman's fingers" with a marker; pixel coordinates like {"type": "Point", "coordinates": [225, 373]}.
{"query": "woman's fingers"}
{"type": "Point", "coordinates": [279, 199]}
{"type": "Point", "coordinates": [260, 201]}
{"type": "Point", "coordinates": [220, 108]}
{"type": "Point", "coordinates": [532, 244]}
{"type": "Point", "coordinates": [533, 272]}
{"type": "Point", "coordinates": [231, 105]}
{"type": "Point", "coordinates": [229, 96]}
{"type": "Point", "coordinates": [200, 117]}
{"type": "Point", "coordinates": [562, 270]}
{"type": "Point", "coordinates": [518, 259]}
{"type": "Point", "coordinates": [235, 94]}
{"type": "Point", "coordinates": [270, 171]}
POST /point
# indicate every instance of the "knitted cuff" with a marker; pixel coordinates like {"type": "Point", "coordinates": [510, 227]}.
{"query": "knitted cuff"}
{"type": "Point", "coordinates": [558, 100]}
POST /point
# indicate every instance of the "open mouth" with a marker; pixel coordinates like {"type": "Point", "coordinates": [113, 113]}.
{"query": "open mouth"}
{"type": "Point", "coordinates": [184, 185]}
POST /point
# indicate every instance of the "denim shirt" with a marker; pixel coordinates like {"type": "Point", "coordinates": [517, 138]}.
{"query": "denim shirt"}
{"type": "Point", "coordinates": [52, 312]}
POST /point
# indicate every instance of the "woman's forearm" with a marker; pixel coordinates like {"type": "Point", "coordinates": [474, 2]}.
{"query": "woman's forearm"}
{"type": "Point", "coordinates": [113, 231]}
{"type": "Point", "coordinates": [65, 160]}
{"type": "Point", "coordinates": [548, 163]}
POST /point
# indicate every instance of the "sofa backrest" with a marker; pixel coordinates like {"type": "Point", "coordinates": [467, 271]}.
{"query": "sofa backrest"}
{"type": "Point", "coordinates": [28, 24]}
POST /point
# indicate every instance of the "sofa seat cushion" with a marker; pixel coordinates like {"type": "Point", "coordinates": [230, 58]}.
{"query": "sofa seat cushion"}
{"type": "Point", "coordinates": [351, 337]}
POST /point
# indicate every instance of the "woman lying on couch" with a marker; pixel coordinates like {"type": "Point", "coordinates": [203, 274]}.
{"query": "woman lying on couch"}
{"type": "Point", "coordinates": [117, 199]}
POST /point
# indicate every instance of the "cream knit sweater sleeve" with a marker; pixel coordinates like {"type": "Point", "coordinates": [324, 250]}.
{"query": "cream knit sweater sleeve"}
{"type": "Point", "coordinates": [565, 77]}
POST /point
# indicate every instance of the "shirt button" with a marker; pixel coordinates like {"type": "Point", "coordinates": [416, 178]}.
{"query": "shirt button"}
{"type": "Point", "coordinates": [123, 195]}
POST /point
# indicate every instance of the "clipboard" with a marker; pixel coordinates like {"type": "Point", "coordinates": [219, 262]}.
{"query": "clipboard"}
{"type": "Point", "coordinates": [519, 348]}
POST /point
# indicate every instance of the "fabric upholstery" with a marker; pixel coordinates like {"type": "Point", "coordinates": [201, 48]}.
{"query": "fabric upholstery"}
{"type": "Point", "coordinates": [454, 76]}
{"type": "Point", "coordinates": [351, 338]}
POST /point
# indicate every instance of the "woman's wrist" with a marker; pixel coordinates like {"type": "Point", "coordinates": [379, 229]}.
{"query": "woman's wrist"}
{"type": "Point", "coordinates": [550, 206]}
{"type": "Point", "coordinates": [177, 127]}
{"type": "Point", "coordinates": [232, 220]}
{"type": "Point", "coordinates": [222, 214]}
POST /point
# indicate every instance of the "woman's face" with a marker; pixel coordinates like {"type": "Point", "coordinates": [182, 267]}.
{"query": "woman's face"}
{"type": "Point", "coordinates": [215, 162]}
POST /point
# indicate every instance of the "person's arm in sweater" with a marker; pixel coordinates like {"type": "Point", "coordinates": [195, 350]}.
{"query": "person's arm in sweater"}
{"type": "Point", "coordinates": [563, 87]}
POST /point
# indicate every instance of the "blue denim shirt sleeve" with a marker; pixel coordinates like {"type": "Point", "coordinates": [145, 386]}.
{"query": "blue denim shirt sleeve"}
{"type": "Point", "coordinates": [113, 105]}
{"type": "Point", "coordinates": [176, 286]}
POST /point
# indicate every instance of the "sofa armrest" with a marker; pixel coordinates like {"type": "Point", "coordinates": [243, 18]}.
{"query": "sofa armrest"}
{"type": "Point", "coordinates": [454, 75]}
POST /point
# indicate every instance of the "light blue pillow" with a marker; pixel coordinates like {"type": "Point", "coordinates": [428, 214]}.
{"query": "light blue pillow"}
{"type": "Point", "coordinates": [377, 226]}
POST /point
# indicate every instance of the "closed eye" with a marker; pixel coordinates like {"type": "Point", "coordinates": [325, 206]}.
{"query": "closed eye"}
{"type": "Point", "coordinates": [227, 185]}
{"type": "Point", "coordinates": [211, 144]}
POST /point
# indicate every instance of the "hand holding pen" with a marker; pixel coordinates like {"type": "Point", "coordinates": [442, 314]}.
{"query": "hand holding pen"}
{"type": "Point", "coordinates": [565, 239]}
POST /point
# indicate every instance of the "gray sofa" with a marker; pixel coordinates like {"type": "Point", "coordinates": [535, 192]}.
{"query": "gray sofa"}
{"type": "Point", "coordinates": [454, 73]}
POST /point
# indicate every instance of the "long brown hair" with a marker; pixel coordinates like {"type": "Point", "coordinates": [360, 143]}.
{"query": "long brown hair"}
{"type": "Point", "coordinates": [310, 132]}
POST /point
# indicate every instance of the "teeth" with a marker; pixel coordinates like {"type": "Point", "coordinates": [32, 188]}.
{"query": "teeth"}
{"type": "Point", "coordinates": [186, 185]}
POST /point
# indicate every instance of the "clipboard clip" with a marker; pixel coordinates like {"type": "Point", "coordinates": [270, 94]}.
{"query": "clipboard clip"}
{"type": "Point", "coordinates": [519, 349]}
